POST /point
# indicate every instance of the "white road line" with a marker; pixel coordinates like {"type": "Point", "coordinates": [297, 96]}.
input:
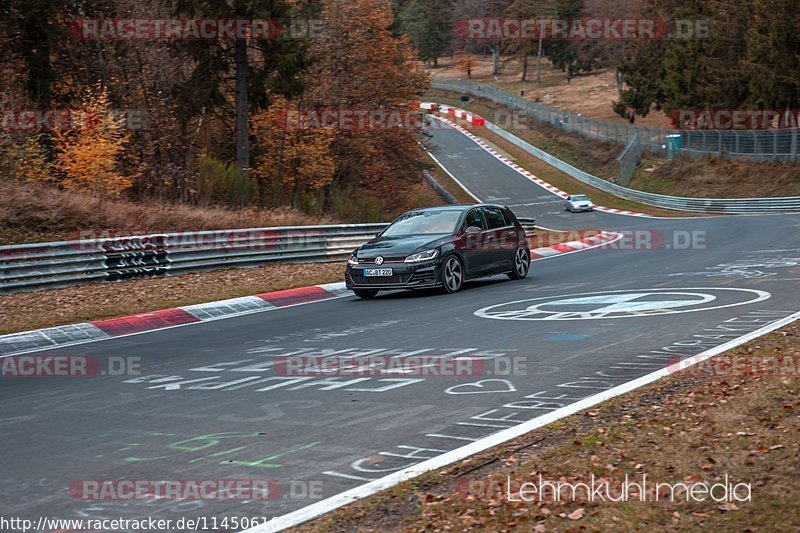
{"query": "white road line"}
{"type": "Point", "coordinates": [345, 498]}
{"type": "Point", "coordinates": [453, 177]}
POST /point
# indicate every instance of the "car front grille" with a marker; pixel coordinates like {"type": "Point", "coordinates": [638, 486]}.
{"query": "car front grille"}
{"type": "Point", "coordinates": [385, 260]}
{"type": "Point", "coordinates": [397, 279]}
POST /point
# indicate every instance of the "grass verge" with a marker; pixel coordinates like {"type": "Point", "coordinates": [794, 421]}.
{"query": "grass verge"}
{"type": "Point", "coordinates": [448, 183]}
{"type": "Point", "coordinates": [690, 177]}
{"type": "Point", "coordinates": [558, 178]}
{"type": "Point", "coordinates": [695, 426]}
{"type": "Point", "coordinates": [34, 212]}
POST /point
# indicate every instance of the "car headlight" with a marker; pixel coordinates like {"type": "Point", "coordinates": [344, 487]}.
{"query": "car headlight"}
{"type": "Point", "coordinates": [353, 260]}
{"type": "Point", "coordinates": [422, 256]}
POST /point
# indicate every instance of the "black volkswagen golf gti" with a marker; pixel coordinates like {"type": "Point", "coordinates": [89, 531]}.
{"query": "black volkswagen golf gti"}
{"type": "Point", "coordinates": [440, 247]}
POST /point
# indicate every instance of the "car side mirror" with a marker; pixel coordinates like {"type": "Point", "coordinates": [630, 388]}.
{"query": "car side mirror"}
{"type": "Point", "coordinates": [471, 230]}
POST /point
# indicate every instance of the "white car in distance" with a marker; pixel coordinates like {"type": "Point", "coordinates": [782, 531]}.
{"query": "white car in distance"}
{"type": "Point", "coordinates": [579, 202]}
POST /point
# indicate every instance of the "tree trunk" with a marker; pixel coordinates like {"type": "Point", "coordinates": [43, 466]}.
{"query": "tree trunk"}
{"type": "Point", "coordinates": [242, 123]}
{"type": "Point", "coordinates": [539, 60]}
{"type": "Point", "coordinates": [278, 176]}
{"type": "Point", "coordinates": [524, 67]}
{"type": "Point", "coordinates": [496, 58]}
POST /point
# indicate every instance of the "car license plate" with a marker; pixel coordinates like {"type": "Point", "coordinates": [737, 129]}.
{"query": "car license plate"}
{"type": "Point", "coordinates": [377, 272]}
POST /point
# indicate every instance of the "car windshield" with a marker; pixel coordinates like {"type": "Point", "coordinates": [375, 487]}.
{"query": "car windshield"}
{"type": "Point", "coordinates": [580, 198]}
{"type": "Point", "coordinates": [424, 223]}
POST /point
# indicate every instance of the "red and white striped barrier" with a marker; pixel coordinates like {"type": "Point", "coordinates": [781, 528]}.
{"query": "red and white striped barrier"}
{"type": "Point", "coordinates": [43, 339]}
{"type": "Point", "coordinates": [472, 118]}
{"type": "Point", "coordinates": [538, 181]}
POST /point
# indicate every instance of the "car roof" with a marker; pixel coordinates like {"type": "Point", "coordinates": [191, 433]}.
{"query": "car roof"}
{"type": "Point", "coordinates": [455, 207]}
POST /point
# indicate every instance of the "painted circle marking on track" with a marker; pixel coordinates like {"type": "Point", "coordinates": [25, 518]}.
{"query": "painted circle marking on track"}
{"type": "Point", "coordinates": [621, 304]}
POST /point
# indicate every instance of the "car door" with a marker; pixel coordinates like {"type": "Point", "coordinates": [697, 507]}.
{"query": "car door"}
{"type": "Point", "coordinates": [500, 240]}
{"type": "Point", "coordinates": [471, 243]}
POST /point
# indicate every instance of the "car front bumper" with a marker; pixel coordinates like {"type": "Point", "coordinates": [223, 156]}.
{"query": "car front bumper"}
{"type": "Point", "coordinates": [404, 276]}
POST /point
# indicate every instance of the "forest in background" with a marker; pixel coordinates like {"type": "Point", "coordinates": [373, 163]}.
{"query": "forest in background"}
{"type": "Point", "coordinates": [197, 122]}
{"type": "Point", "coordinates": [717, 54]}
{"type": "Point", "coordinates": [203, 122]}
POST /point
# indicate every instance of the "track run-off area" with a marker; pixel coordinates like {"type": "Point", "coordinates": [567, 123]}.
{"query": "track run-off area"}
{"type": "Point", "coordinates": [205, 402]}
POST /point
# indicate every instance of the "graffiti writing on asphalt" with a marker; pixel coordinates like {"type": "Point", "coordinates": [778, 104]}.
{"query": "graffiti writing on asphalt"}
{"type": "Point", "coordinates": [260, 374]}
{"type": "Point", "coordinates": [522, 409]}
{"type": "Point", "coordinates": [239, 449]}
{"type": "Point", "coordinates": [746, 268]}
{"type": "Point", "coordinates": [311, 335]}
{"type": "Point", "coordinates": [486, 386]}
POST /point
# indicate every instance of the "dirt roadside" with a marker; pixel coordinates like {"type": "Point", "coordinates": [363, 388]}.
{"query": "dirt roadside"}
{"type": "Point", "coordinates": [736, 416]}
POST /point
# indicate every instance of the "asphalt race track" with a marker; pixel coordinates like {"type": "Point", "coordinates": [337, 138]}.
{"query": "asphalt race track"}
{"type": "Point", "coordinates": [207, 405]}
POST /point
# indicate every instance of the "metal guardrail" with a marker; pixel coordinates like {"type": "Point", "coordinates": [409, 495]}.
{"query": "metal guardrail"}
{"type": "Point", "coordinates": [50, 265]}
{"type": "Point", "coordinates": [629, 160]}
{"type": "Point", "coordinates": [732, 206]}
{"type": "Point", "coordinates": [449, 198]}
{"type": "Point", "coordinates": [758, 145]}
{"type": "Point", "coordinates": [67, 263]}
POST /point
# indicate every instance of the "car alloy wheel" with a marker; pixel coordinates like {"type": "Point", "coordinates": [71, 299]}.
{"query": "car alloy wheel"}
{"type": "Point", "coordinates": [522, 263]}
{"type": "Point", "coordinates": [453, 274]}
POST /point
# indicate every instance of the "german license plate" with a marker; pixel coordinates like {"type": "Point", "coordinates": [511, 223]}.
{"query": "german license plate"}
{"type": "Point", "coordinates": [377, 272]}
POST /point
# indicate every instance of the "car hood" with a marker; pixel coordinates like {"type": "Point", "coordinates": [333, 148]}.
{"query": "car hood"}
{"type": "Point", "coordinates": [401, 246]}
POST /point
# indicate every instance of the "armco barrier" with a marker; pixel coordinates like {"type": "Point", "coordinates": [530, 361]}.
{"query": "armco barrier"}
{"type": "Point", "coordinates": [731, 206]}
{"type": "Point", "coordinates": [758, 145]}
{"type": "Point", "coordinates": [62, 264]}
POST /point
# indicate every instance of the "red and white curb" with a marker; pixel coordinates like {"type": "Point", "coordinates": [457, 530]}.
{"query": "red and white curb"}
{"type": "Point", "coordinates": [72, 334]}
{"type": "Point", "coordinates": [601, 239]}
{"type": "Point", "coordinates": [538, 181]}
{"type": "Point", "coordinates": [59, 336]}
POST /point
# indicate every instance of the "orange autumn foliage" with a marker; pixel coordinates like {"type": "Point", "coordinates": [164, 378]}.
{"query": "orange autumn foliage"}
{"type": "Point", "coordinates": [295, 158]}
{"type": "Point", "coordinates": [362, 66]}
{"type": "Point", "coordinates": [88, 151]}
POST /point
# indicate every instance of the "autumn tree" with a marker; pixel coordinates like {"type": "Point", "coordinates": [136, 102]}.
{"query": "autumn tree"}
{"type": "Point", "coordinates": [466, 63]}
{"type": "Point", "coordinates": [482, 9]}
{"type": "Point", "coordinates": [772, 61]}
{"type": "Point", "coordinates": [89, 150]}
{"type": "Point", "coordinates": [428, 25]}
{"type": "Point", "coordinates": [294, 155]}
{"type": "Point", "coordinates": [527, 10]}
{"type": "Point", "coordinates": [361, 66]}
{"type": "Point", "coordinates": [258, 67]}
